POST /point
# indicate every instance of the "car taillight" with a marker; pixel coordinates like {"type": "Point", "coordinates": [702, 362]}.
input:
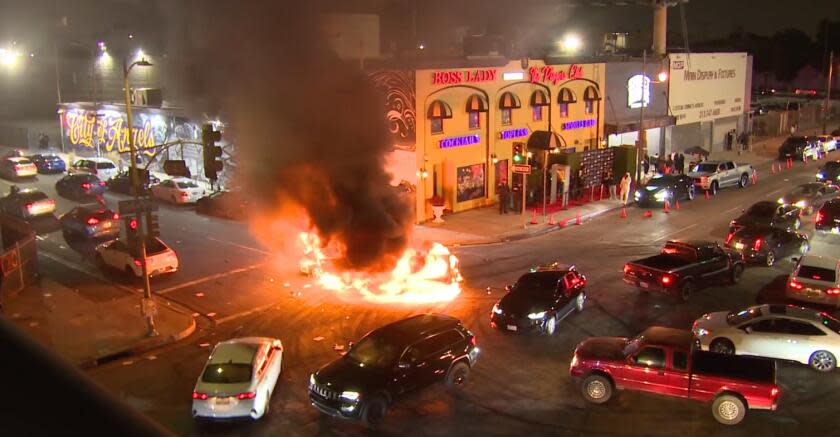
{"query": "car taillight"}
{"type": "Point", "coordinates": [138, 263]}
{"type": "Point", "coordinates": [197, 395]}
{"type": "Point", "coordinates": [833, 291]}
{"type": "Point", "coordinates": [92, 221]}
{"type": "Point", "coordinates": [666, 280]}
{"type": "Point", "coordinates": [774, 391]}
{"type": "Point", "coordinates": [473, 341]}
{"type": "Point", "coordinates": [185, 194]}
{"type": "Point", "coordinates": [116, 216]}
{"type": "Point", "coordinates": [729, 238]}
{"type": "Point", "coordinates": [247, 395]}
{"type": "Point", "coordinates": [29, 205]}
{"type": "Point", "coordinates": [86, 186]}
{"type": "Point", "coordinates": [795, 285]}
{"type": "Point", "coordinates": [820, 217]}
{"type": "Point", "coordinates": [101, 183]}
{"type": "Point", "coordinates": [757, 244]}
{"type": "Point", "coordinates": [626, 268]}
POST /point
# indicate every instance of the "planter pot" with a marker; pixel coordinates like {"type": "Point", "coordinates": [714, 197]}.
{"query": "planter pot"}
{"type": "Point", "coordinates": [438, 211]}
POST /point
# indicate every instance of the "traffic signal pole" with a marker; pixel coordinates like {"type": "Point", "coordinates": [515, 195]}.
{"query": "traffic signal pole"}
{"type": "Point", "coordinates": [147, 303]}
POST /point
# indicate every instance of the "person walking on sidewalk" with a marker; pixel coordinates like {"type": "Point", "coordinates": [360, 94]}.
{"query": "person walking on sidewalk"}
{"type": "Point", "coordinates": [626, 182]}
{"type": "Point", "coordinates": [609, 180]}
{"type": "Point", "coordinates": [680, 163]}
{"type": "Point", "coordinates": [504, 197]}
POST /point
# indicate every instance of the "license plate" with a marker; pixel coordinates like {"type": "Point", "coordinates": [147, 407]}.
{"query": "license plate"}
{"type": "Point", "coordinates": [222, 401]}
{"type": "Point", "coordinates": [512, 327]}
{"type": "Point", "coordinates": [644, 284]}
{"type": "Point", "coordinates": [739, 245]}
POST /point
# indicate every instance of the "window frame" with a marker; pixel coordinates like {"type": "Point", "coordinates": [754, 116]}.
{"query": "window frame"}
{"type": "Point", "coordinates": [477, 116]}
{"type": "Point", "coordinates": [509, 112]}
{"type": "Point", "coordinates": [432, 126]}
{"type": "Point", "coordinates": [664, 363]}
{"type": "Point", "coordinates": [536, 110]}
{"type": "Point", "coordinates": [589, 106]}
{"type": "Point", "coordinates": [684, 354]}
{"type": "Point", "coordinates": [563, 110]}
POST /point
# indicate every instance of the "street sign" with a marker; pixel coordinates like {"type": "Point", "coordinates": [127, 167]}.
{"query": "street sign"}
{"type": "Point", "coordinates": [176, 167]}
{"type": "Point", "coordinates": [137, 206]}
{"type": "Point", "coordinates": [521, 168]}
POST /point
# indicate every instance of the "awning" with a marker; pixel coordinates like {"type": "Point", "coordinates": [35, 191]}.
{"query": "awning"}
{"type": "Point", "coordinates": [544, 140]}
{"type": "Point", "coordinates": [566, 96]}
{"type": "Point", "coordinates": [476, 103]}
{"type": "Point", "coordinates": [591, 93]}
{"type": "Point", "coordinates": [509, 100]}
{"type": "Point", "coordinates": [539, 98]}
{"type": "Point", "coordinates": [439, 109]}
{"type": "Point", "coordinates": [632, 125]}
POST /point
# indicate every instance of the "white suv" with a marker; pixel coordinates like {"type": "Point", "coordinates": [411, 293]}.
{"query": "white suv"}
{"type": "Point", "coordinates": [102, 167]}
{"type": "Point", "coordinates": [815, 280]}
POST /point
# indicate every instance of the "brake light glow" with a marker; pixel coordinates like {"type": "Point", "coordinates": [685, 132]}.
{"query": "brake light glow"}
{"type": "Point", "coordinates": [666, 280]}
{"type": "Point", "coordinates": [757, 244]}
{"type": "Point", "coordinates": [247, 395]}
{"type": "Point", "coordinates": [138, 263]}
{"type": "Point", "coordinates": [92, 221]}
{"type": "Point", "coordinates": [86, 186]}
{"type": "Point", "coordinates": [473, 341]}
{"type": "Point", "coordinates": [29, 205]}
{"type": "Point", "coordinates": [626, 268]}
{"type": "Point", "coordinates": [101, 183]}
{"type": "Point", "coordinates": [197, 395]}
{"type": "Point", "coordinates": [820, 217]}
{"type": "Point", "coordinates": [116, 216]}
{"type": "Point", "coordinates": [185, 194]}
{"type": "Point", "coordinates": [795, 285]}
{"type": "Point", "coordinates": [729, 238]}
{"type": "Point", "coordinates": [774, 391]}
{"type": "Point", "coordinates": [833, 291]}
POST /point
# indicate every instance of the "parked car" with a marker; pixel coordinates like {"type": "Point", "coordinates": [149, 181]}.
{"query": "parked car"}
{"type": "Point", "coordinates": [390, 361]}
{"type": "Point", "coordinates": [829, 173]}
{"type": "Point", "coordinates": [48, 163]}
{"type": "Point", "coordinates": [238, 379]}
{"type": "Point", "coordinates": [682, 267]}
{"type": "Point", "coordinates": [770, 214]}
{"type": "Point", "coordinates": [121, 183]}
{"type": "Point", "coordinates": [828, 217]}
{"type": "Point", "coordinates": [17, 168]}
{"type": "Point", "coordinates": [815, 279]}
{"type": "Point", "coordinates": [79, 185]}
{"type": "Point", "coordinates": [539, 300]}
{"type": "Point", "coordinates": [90, 222]}
{"type": "Point", "coordinates": [662, 361]}
{"type": "Point", "coordinates": [766, 244]}
{"type": "Point", "coordinates": [27, 204]}
{"type": "Point", "coordinates": [714, 175]}
{"type": "Point", "coordinates": [119, 256]}
{"type": "Point", "coordinates": [809, 197]}
{"type": "Point", "coordinates": [783, 332]}
{"type": "Point", "coordinates": [228, 204]}
{"type": "Point", "coordinates": [827, 143]}
{"type": "Point", "coordinates": [666, 187]}
{"type": "Point", "coordinates": [178, 190]}
{"type": "Point", "coordinates": [102, 167]}
{"type": "Point", "coordinates": [797, 148]}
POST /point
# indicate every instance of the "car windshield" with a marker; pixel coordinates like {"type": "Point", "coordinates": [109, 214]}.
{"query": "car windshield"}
{"type": "Point", "coordinates": [104, 165]}
{"type": "Point", "coordinates": [186, 184]}
{"type": "Point", "coordinates": [706, 168]}
{"type": "Point", "coordinates": [537, 283]}
{"type": "Point", "coordinates": [762, 209]}
{"type": "Point", "coordinates": [816, 273]}
{"type": "Point", "coordinates": [737, 317]}
{"type": "Point", "coordinates": [660, 182]}
{"type": "Point", "coordinates": [154, 246]}
{"type": "Point", "coordinates": [633, 346]}
{"type": "Point", "coordinates": [831, 323]}
{"type": "Point", "coordinates": [23, 161]}
{"type": "Point", "coordinates": [375, 351]}
{"type": "Point", "coordinates": [227, 373]}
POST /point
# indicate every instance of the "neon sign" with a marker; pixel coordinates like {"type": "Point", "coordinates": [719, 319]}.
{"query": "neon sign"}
{"type": "Point", "coordinates": [577, 124]}
{"type": "Point", "coordinates": [466, 140]}
{"type": "Point", "coordinates": [468, 76]}
{"type": "Point", "coordinates": [638, 91]}
{"type": "Point", "coordinates": [513, 133]}
{"type": "Point", "coordinates": [548, 74]}
{"type": "Point", "coordinates": [109, 131]}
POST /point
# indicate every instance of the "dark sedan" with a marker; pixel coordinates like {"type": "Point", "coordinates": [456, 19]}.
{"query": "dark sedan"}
{"type": "Point", "coordinates": [667, 187]}
{"type": "Point", "coordinates": [121, 183]}
{"type": "Point", "coordinates": [27, 204]}
{"type": "Point", "coordinates": [765, 244]}
{"type": "Point", "coordinates": [90, 222]}
{"type": "Point", "coordinates": [227, 204]}
{"type": "Point", "coordinates": [49, 163]}
{"type": "Point", "coordinates": [79, 185]}
{"type": "Point", "coordinates": [809, 197]}
{"type": "Point", "coordinates": [828, 217]}
{"type": "Point", "coordinates": [829, 173]}
{"type": "Point", "coordinates": [796, 148]}
{"type": "Point", "coordinates": [768, 213]}
{"type": "Point", "coordinates": [540, 300]}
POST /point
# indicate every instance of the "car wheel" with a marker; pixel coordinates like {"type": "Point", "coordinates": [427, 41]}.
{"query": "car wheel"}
{"type": "Point", "coordinates": [596, 389]}
{"type": "Point", "coordinates": [770, 259]}
{"type": "Point", "coordinates": [458, 375]}
{"type": "Point", "coordinates": [691, 192]}
{"type": "Point", "coordinates": [822, 361]}
{"type": "Point", "coordinates": [686, 291]}
{"type": "Point", "coordinates": [374, 411]}
{"type": "Point", "coordinates": [722, 346]}
{"type": "Point", "coordinates": [729, 410]}
{"type": "Point", "coordinates": [580, 301]}
{"type": "Point", "coordinates": [714, 188]}
{"type": "Point", "coordinates": [744, 181]}
{"type": "Point", "coordinates": [550, 326]}
{"type": "Point", "coordinates": [736, 273]}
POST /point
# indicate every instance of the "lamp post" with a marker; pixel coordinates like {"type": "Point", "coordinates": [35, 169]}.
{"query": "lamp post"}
{"type": "Point", "coordinates": [135, 184]}
{"type": "Point", "coordinates": [645, 83]}
{"type": "Point", "coordinates": [828, 91]}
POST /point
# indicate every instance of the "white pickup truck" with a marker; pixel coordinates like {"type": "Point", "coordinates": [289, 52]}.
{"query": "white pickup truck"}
{"type": "Point", "coordinates": [714, 175]}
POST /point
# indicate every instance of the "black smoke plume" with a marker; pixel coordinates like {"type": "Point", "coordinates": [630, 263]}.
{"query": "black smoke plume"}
{"type": "Point", "coordinates": [308, 128]}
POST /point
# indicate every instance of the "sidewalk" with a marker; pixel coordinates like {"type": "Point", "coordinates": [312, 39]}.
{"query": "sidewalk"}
{"type": "Point", "coordinates": [94, 323]}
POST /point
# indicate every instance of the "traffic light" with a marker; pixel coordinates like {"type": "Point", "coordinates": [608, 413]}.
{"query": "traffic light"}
{"type": "Point", "coordinates": [211, 152]}
{"type": "Point", "coordinates": [132, 230]}
{"type": "Point", "coordinates": [152, 225]}
{"type": "Point", "coordinates": [518, 153]}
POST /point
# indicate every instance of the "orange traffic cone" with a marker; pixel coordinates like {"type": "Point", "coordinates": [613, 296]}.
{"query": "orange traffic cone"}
{"type": "Point", "coordinates": [754, 177]}
{"type": "Point", "coordinates": [648, 214]}
{"type": "Point", "coordinates": [623, 212]}
{"type": "Point", "coordinates": [577, 218]}
{"type": "Point", "coordinates": [551, 220]}
{"type": "Point", "coordinates": [534, 217]}
{"type": "Point", "coordinates": [707, 194]}
{"type": "Point", "coordinates": [677, 204]}
{"type": "Point", "coordinates": [666, 207]}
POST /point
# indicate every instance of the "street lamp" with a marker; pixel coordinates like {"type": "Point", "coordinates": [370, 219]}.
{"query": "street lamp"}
{"type": "Point", "coordinates": [571, 43]}
{"type": "Point", "coordinates": [135, 184]}
{"type": "Point", "coordinates": [641, 142]}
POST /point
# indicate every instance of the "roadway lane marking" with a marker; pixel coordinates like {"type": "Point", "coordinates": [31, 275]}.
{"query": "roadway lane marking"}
{"type": "Point", "coordinates": [80, 268]}
{"type": "Point", "coordinates": [253, 249]}
{"type": "Point", "coordinates": [676, 232]}
{"type": "Point", "coordinates": [730, 210]}
{"type": "Point", "coordinates": [774, 192]}
{"type": "Point", "coordinates": [238, 315]}
{"type": "Point", "coordinates": [208, 278]}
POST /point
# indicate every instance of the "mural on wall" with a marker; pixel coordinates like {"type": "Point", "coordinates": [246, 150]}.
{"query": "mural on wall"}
{"type": "Point", "coordinates": [400, 109]}
{"type": "Point", "coordinates": [470, 182]}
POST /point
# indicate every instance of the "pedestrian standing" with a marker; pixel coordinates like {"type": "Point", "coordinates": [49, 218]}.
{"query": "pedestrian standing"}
{"type": "Point", "coordinates": [680, 163]}
{"type": "Point", "coordinates": [626, 182]}
{"type": "Point", "coordinates": [504, 193]}
{"type": "Point", "coordinates": [611, 183]}
{"type": "Point", "coordinates": [43, 141]}
{"type": "Point", "coordinates": [646, 166]}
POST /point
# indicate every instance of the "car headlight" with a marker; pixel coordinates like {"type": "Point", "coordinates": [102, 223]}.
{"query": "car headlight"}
{"type": "Point", "coordinates": [351, 396]}
{"type": "Point", "coordinates": [800, 204]}
{"type": "Point", "coordinates": [574, 362]}
{"type": "Point", "coordinates": [496, 309]}
{"type": "Point", "coordinates": [312, 379]}
{"type": "Point", "coordinates": [781, 200]}
{"type": "Point", "coordinates": [661, 195]}
{"type": "Point", "coordinates": [700, 332]}
{"type": "Point", "coordinates": [536, 316]}
{"type": "Point", "coordinates": [638, 195]}
{"type": "Point", "coordinates": [820, 175]}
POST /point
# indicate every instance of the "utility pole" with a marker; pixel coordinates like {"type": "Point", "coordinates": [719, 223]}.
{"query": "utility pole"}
{"type": "Point", "coordinates": [828, 91]}
{"type": "Point", "coordinates": [642, 139]}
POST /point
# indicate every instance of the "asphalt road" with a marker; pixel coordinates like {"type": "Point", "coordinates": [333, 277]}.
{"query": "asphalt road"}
{"type": "Point", "coordinates": [519, 386]}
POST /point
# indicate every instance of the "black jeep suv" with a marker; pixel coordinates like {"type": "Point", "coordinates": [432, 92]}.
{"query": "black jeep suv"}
{"type": "Point", "coordinates": [389, 361]}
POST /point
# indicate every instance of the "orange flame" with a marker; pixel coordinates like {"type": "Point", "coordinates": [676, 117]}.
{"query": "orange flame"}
{"type": "Point", "coordinates": [420, 276]}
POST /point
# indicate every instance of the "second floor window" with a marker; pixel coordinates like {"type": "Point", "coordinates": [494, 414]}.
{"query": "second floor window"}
{"type": "Point", "coordinates": [564, 110]}
{"type": "Point", "coordinates": [437, 125]}
{"type": "Point", "coordinates": [475, 119]}
{"type": "Point", "coordinates": [537, 113]}
{"type": "Point", "coordinates": [590, 107]}
{"type": "Point", "coordinates": [506, 116]}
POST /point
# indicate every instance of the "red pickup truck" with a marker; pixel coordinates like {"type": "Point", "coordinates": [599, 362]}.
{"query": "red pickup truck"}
{"type": "Point", "coordinates": [663, 361]}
